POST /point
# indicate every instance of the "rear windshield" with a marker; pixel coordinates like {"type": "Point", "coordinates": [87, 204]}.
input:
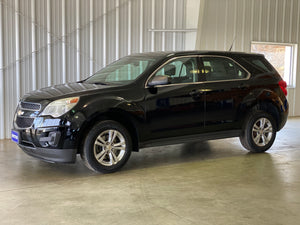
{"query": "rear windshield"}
{"type": "Point", "coordinates": [258, 65]}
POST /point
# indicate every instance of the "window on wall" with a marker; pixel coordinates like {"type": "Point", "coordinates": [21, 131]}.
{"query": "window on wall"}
{"type": "Point", "coordinates": [281, 56]}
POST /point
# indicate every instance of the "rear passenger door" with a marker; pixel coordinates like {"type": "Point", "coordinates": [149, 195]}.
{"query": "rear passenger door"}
{"type": "Point", "coordinates": [225, 87]}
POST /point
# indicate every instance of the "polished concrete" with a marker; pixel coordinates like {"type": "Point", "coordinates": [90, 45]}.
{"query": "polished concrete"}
{"type": "Point", "coordinates": [213, 182]}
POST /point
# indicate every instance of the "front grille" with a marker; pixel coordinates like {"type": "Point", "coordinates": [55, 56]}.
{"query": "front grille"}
{"type": "Point", "coordinates": [26, 114]}
{"type": "Point", "coordinates": [24, 122]}
{"type": "Point", "coordinates": [30, 106]}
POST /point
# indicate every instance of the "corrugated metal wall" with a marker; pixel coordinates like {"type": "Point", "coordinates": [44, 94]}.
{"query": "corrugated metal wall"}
{"type": "Point", "coordinates": [45, 42]}
{"type": "Point", "coordinates": [223, 21]}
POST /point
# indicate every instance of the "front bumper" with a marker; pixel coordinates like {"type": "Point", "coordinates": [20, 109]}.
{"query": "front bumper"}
{"type": "Point", "coordinates": [44, 137]}
{"type": "Point", "coordinates": [51, 144]}
{"type": "Point", "coordinates": [50, 154]}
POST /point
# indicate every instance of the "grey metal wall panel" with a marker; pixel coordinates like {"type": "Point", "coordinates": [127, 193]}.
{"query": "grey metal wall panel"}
{"type": "Point", "coordinates": [251, 20]}
{"type": "Point", "coordinates": [52, 36]}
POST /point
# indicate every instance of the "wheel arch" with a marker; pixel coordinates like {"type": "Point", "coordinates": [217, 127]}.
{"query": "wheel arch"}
{"type": "Point", "coordinates": [269, 107]}
{"type": "Point", "coordinates": [264, 100]}
{"type": "Point", "coordinates": [117, 115]}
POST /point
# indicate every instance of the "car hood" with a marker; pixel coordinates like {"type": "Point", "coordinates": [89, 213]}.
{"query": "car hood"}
{"type": "Point", "coordinates": [63, 91]}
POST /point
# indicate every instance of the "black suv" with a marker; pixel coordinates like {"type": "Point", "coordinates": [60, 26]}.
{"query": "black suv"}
{"type": "Point", "coordinates": [153, 99]}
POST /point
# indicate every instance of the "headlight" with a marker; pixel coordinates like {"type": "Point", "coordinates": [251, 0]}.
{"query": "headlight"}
{"type": "Point", "coordinates": [60, 107]}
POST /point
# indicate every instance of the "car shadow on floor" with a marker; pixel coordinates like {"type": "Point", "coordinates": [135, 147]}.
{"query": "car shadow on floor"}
{"type": "Point", "coordinates": [173, 154]}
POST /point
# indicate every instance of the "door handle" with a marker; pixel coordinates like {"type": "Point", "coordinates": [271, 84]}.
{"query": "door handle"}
{"type": "Point", "coordinates": [243, 86]}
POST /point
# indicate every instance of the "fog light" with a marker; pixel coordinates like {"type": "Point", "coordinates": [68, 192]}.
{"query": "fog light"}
{"type": "Point", "coordinates": [51, 140]}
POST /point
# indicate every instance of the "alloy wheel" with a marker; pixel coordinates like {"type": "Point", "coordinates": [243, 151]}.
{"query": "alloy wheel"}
{"type": "Point", "coordinates": [262, 132]}
{"type": "Point", "coordinates": [109, 147]}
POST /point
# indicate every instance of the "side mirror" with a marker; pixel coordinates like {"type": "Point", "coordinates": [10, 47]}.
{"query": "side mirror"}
{"type": "Point", "coordinates": [159, 80]}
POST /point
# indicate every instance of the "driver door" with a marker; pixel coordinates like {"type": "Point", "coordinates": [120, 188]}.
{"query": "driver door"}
{"type": "Point", "coordinates": [176, 108]}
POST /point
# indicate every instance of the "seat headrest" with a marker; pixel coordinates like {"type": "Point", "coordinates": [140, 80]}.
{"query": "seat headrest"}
{"type": "Point", "coordinates": [170, 70]}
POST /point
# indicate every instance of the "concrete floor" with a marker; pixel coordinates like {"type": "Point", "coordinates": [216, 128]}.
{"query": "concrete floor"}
{"type": "Point", "coordinates": [214, 182]}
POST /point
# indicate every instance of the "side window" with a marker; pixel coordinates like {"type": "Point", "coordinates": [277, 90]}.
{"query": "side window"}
{"type": "Point", "coordinates": [219, 68]}
{"type": "Point", "coordinates": [182, 70]}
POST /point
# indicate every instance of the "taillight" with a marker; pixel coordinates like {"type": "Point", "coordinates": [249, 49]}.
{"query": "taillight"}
{"type": "Point", "coordinates": [282, 85]}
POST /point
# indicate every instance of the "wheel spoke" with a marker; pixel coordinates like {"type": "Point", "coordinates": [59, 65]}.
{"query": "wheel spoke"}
{"type": "Point", "coordinates": [119, 144]}
{"type": "Point", "coordinates": [121, 148]}
{"type": "Point", "coordinates": [112, 158]}
{"type": "Point", "coordinates": [100, 140]}
{"type": "Point", "coordinates": [263, 138]}
{"type": "Point", "coordinates": [100, 156]}
{"type": "Point", "coordinates": [111, 136]}
{"type": "Point", "coordinates": [268, 129]}
{"type": "Point", "coordinates": [257, 138]}
{"type": "Point", "coordinates": [97, 142]}
{"type": "Point", "coordinates": [262, 123]}
{"type": "Point", "coordinates": [268, 138]}
{"type": "Point", "coordinates": [255, 128]}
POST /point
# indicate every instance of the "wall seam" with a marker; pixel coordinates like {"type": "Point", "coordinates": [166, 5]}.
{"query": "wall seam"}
{"type": "Point", "coordinates": [78, 60]}
{"type": "Point", "coordinates": [33, 46]}
{"type": "Point", "coordinates": [64, 58]}
{"type": "Point", "coordinates": [2, 86]}
{"type": "Point", "coordinates": [49, 53]}
{"type": "Point", "coordinates": [17, 51]}
{"type": "Point", "coordinates": [91, 37]}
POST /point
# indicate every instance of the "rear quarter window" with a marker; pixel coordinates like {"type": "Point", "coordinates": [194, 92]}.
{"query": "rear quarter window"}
{"type": "Point", "coordinates": [258, 65]}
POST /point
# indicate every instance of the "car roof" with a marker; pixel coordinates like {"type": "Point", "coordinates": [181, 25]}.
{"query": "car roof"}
{"type": "Point", "coordinates": [185, 53]}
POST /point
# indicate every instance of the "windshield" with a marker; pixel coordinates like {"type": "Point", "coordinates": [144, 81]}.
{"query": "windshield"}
{"type": "Point", "coordinates": [122, 71]}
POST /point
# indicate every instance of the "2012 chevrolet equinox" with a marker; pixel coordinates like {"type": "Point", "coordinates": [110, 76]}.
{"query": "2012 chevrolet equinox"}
{"type": "Point", "coordinates": [153, 99]}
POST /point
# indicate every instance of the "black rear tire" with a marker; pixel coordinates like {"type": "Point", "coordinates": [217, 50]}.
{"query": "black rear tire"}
{"type": "Point", "coordinates": [107, 147]}
{"type": "Point", "coordinates": [259, 131]}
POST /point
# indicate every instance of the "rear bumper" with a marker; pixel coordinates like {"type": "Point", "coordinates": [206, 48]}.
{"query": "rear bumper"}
{"type": "Point", "coordinates": [51, 155]}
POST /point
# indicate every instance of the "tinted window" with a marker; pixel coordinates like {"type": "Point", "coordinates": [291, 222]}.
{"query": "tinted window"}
{"type": "Point", "coordinates": [258, 65]}
{"type": "Point", "coordinates": [218, 68]}
{"type": "Point", "coordinates": [182, 70]}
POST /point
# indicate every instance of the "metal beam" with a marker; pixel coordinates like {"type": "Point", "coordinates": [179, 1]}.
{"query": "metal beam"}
{"type": "Point", "coordinates": [104, 34]}
{"type": "Point", "coordinates": [77, 40]}
{"type": "Point", "coordinates": [152, 24]}
{"type": "Point", "coordinates": [163, 37]}
{"type": "Point", "coordinates": [17, 45]}
{"type": "Point", "coordinates": [49, 59]}
{"type": "Point", "coordinates": [63, 38]}
{"type": "Point", "coordinates": [33, 46]}
{"type": "Point", "coordinates": [174, 24]}
{"type": "Point", "coordinates": [129, 29]}
{"type": "Point", "coordinates": [117, 29]}
{"type": "Point", "coordinates": [2, 86]}
{"type": "Point", "coordinates": [91, 37]}
{"type": "Point", "coordinates": [141, 24]}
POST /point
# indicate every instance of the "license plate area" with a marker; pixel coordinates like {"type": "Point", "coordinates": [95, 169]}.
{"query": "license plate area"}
{"type": "Point", "coordinates": [15, 137]}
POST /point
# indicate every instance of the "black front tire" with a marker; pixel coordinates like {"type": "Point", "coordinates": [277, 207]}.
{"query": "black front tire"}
{"type": "Point", "coordinates": [107, 147]}
{"type": "Point", "coordinates": [259, 131]}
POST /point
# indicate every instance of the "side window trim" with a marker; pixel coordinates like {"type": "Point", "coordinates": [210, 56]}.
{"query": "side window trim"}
{"type": "Point", "coordinates": [199, 63]}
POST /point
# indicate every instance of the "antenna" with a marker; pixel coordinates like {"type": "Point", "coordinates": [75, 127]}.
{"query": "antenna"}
{"type": "Point", "coordinates": [232, 44]}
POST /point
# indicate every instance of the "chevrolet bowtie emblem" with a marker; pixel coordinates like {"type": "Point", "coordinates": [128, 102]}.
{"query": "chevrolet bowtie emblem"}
{"type": "Point", "coordinates": [20, 113]}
